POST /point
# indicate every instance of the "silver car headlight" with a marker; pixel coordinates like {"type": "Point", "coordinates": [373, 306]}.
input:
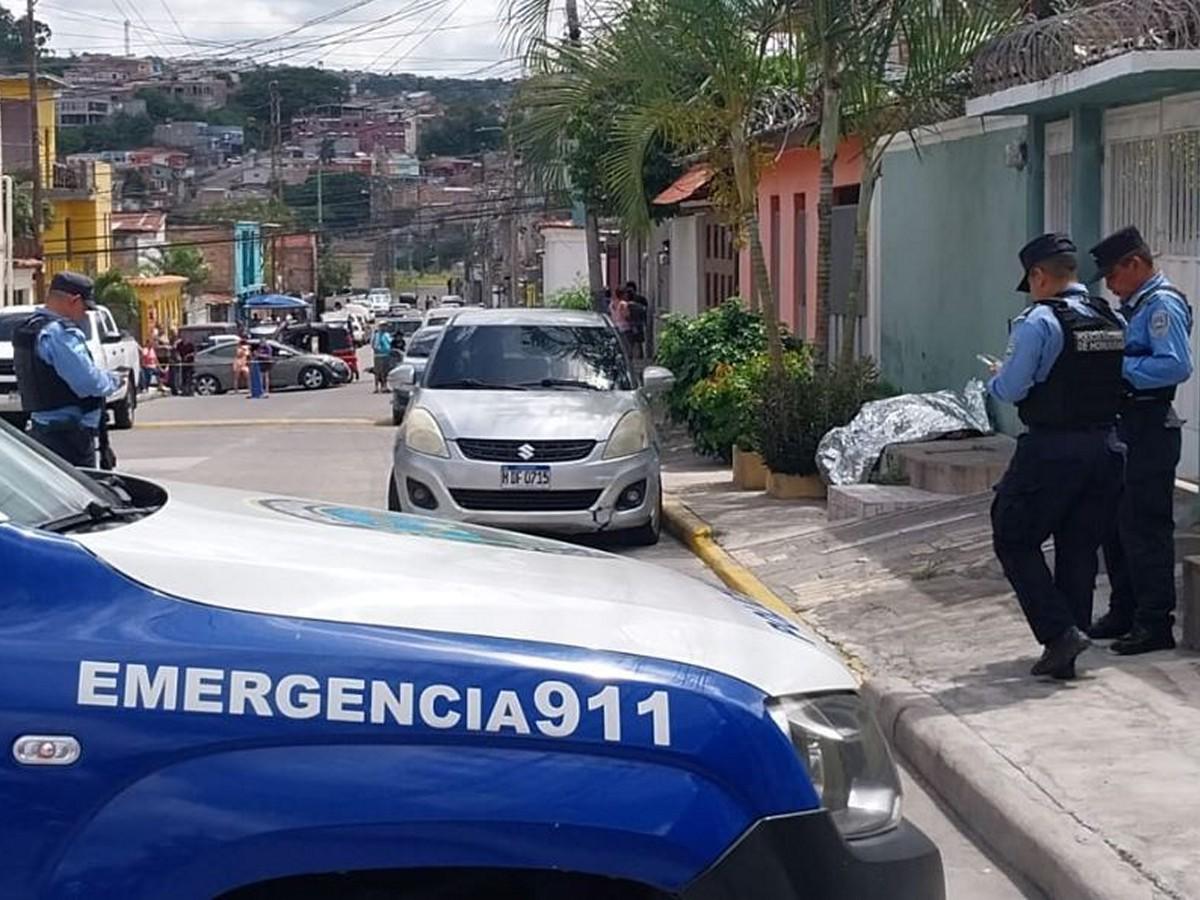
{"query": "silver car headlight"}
{"type": "Point", "coordinates": [631, 435]}
{"type": "Point", "coordinates": [423, 434]}
{"type": "Point", "coordinates": [846, 758]}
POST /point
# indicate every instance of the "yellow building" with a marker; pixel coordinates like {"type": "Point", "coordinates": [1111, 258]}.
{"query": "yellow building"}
{"type": "Point", "coordinates": [160, 301]}
{"type": "Point", "coordinates": [78, 235]}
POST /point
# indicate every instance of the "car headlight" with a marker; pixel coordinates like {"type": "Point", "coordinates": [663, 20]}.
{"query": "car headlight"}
{"type": "Point", "coordinates": [423, 434]}
{"type": "Point", "coordinates": [846, 757]}
{"type": "Point", "coordinates": [630, 436]}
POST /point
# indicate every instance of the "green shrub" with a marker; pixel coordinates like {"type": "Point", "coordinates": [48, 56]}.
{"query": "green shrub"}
{"type": "Point", "coordinates": [573, 298]}
{"type": "Point", "coordinates": [803, 405]}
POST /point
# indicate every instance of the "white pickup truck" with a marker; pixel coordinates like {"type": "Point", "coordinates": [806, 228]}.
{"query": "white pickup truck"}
{"type": "Point", "coordinates": [112, 348]}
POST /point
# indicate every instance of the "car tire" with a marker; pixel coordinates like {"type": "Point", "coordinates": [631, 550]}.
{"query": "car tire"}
{"type": "Point", "coordinates": [124, 412]}
{"type": "Point", "coordinates": [397, 417]}
{"type": "Point", "coordinates": [206, 385]}
{"type": "Point", "coordinates": [647, 535]}
{"type": "Point", "coordinates": [17, 420]}
{"type": "Point", "coordinates": [393, 501]}
{"type": "Point", "coordinates": [313, 378]}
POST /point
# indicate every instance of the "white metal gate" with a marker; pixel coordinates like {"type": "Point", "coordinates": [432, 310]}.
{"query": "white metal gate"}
{"type": "Point", "coordinates": [1152, 180]}
{"type": "Point", "coordinates": [1058, 176]}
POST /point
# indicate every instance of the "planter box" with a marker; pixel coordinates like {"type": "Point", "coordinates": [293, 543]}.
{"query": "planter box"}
{"type": "Point", "coordinates": [749, 471]}
{"type": "Point", "coordinates": [795, 487]}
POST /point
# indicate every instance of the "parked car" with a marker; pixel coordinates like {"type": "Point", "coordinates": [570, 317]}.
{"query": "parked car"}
{"type": "Point", "coordinates": [111, 348]}
{"type": "Point", "coordinates": [214, 693]}
{"type": "Point", "coordinates": [323, 338]}
{"type": "Point", "coordinates": [452, 300]}
{"type": "Point", "coordinates": [439, 317]}
{"type": "Point", "coordinates": [403, 303]}
{"type": "Point", "coordinates": [416, 356]}
{"type": "Point", "coordinates": [356, 324]}
{"type": "Point", "coordinates": [379, 300]}
{"type": "Point", "coordinates": [403, 326]}
{"type": "Point", "coordinates": [202, 333]}
{"type": "Point", "coordinates": [531, 419]}
{"type": "Point", "coordinates": [311, 371]}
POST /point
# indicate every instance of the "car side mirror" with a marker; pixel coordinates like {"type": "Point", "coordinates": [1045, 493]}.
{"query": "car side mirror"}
{"type": "Point", "coordinates": [402, 376]}
{"type": "Point", "coordinates": [657, 380]}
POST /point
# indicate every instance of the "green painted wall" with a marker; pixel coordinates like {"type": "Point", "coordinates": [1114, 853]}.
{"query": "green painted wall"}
{"type": "Point", "coordinates": [952, 220]}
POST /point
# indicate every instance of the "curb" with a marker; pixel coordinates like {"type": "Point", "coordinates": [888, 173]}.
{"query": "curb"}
{"type": "Point", "coordinates": [261, 423]}
{"type": "Point", "coordinates": [1026, 828]}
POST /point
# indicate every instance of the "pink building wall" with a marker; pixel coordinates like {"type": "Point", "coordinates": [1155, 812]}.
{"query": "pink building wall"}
{"type": "Point", "coordinates": [794, 179]}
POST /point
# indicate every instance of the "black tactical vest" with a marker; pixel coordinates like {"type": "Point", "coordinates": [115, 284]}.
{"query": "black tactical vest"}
{"type": "Point", "coordinates": [1085, 385]}
{"type": "Point", "coordinates": [42, 389]}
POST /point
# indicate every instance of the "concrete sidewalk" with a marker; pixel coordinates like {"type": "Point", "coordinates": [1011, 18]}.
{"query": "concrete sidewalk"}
{"type": "Point", "coordinates": [1090, 789]}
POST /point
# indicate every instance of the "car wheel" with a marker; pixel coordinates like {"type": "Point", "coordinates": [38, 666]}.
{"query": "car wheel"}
{"type": "Point", "coordinates": [393, 494]}
{"type": "Point", "coordinates": [206, 385]}
{"type": "Point", "coordinates": [123, 412]}
{"type": "Point", "coordinates": [647, 535]}
{"type": "Point", "coordinates": [312, 378]}
{"type": "Point", "coordinates": [397, 416]}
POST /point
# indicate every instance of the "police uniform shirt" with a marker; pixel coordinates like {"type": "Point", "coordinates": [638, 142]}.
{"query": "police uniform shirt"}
{"type": "Point", "coordinates": [1158, 350]}
{"type": "Point", "coordinates": [1034, 347]}
{"type": "Point", "coordinates": [64, 348]}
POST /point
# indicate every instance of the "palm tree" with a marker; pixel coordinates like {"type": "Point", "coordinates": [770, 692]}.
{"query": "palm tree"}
{"type": "Point", "coordinates": [704, 77]}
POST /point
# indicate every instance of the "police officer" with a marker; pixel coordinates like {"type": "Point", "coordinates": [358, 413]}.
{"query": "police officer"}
{"type": "Point", "coordinates": [1063, 372]}
{"type": "Point", "coordinates": [1140, 553]}
{"type": "Point", "coordinates": [61, 386]}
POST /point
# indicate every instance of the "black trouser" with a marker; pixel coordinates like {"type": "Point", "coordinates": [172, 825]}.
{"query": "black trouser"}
{"type": "Point", "coordinates": [77, 445]}
{"type": "Point", "coordinates": [1139, 552]}
{"type": "Point", "coordinates": [1062, 484]}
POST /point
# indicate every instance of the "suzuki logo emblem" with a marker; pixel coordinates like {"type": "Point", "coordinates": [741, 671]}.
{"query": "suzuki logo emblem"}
{"type": "Point", "coordinates": [526, 452]}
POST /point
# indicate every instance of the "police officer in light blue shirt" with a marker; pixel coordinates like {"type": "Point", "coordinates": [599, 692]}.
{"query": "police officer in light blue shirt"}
{"type": "Point", "coordinates": [1063, 373]}
{"type": "Point", "coordinates": [1140, 552]}
{"type": "Point", "coordinates": [61, 387]}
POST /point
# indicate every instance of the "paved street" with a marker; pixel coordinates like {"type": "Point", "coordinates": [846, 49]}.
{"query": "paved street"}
{"type": "Point", "coordinates": [335, 445]}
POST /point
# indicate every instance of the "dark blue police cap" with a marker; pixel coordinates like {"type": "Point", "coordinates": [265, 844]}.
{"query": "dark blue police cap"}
{"type": "Point", "coordinates": [1043, 247]}
{"type": "Point", "coordinates": [74, 283]}
{"type": "Point", "coordinates": [1116, 247]}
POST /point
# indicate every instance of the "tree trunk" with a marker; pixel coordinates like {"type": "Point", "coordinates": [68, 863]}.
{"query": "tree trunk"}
{"type": "Point", "coordinates": [591, 230]}
{"type": "Point", "coordinates": [858, 269]}
{"type": "Point", "coordinates": [770, 312]}
{"type": "Point", "coordinates": [831, 127]}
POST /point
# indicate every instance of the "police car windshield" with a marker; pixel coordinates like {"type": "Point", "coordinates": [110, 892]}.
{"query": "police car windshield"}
{"type": "Point", "coordinates": [37, 487]}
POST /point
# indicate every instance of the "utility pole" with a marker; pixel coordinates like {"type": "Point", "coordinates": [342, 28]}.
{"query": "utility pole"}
{"type": "Point", "coordinates": [35, 151]}
{"type": "Point", "coordinates": [128, 45]}
{"type": "Point", "coordinates": [514, 269]}
{"type": "Point", "coordinates": [320, 194]}
{"type": "Point", "coordinates": [276, 140]}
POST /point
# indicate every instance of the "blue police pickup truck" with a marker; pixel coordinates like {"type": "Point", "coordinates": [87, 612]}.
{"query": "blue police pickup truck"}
{"type": "Point", "coordinates": [208, 693]}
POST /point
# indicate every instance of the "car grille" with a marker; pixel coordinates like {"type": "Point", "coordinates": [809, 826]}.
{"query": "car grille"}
{"type": "Point", "coordinates": [525, 501]}
{"type": "Point", "coordinates": [520, 451]}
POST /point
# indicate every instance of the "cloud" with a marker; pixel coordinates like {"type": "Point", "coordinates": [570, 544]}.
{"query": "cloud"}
{"type": "Point", "coordinates": [431, 37]}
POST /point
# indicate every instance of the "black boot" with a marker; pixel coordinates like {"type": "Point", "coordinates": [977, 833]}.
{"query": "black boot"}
{"type": "Point", "coordinates": [1059, 656]}
{"type": "Point", "coordinates": [1109, 627]}
{"type": "Point", "coordinates": [1145, 640]}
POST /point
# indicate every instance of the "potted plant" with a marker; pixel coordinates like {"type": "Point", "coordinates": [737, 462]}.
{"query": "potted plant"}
{"type": "Point", "coordinates": [798, 409]}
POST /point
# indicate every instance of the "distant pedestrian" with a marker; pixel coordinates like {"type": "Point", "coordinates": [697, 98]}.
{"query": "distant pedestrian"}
{"type": "Point", "coordinates": [619, 312]}
{"type": "Point", "coordinates": [264, 358]}
{"type": "Point", "coordinates": [241, 366]}
{"type": "Point", "coordinates": [639, 314]}
{"type": "Point", "coordinates": [185, 352]}
{"type": "Point", "coordinates": [1139, 552]}
{"type": "Point", "coordinates": [381, 344]}
{"type": "Point", "coordinates": [1063, 372]}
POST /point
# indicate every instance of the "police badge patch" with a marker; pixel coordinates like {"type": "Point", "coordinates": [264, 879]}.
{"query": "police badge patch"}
{"type": "Point", "coordinates": [1160, 322]}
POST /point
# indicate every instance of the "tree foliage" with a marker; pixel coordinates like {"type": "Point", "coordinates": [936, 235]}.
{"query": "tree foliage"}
{"type": "Point", "coordinates": [14, 43]}
{"type": "Point", "coordinates": [188, 262]}
{"type": "Point", "coordinates": [463, 131]}
{"type": "Point", "coordinates": [121, 132]}
{"type": "Point", "coordinates": [112, 290]}
{"type": "Point", "coordinates": [345, 196]}
{"type": "Point", "coordinates": [300, 89]}
{"type": "Point", "coordinates": [333, 274]}
{"type": "Point", "coordinates": [23, 210]}
{"type": "Point", "coordinates": [253, 209]}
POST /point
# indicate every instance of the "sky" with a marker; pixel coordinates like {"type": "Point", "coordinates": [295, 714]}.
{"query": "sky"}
{"type": "Point", "coordinates": [461, 38]}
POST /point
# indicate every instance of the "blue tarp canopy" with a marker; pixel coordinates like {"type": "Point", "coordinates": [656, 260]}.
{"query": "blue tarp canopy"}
{"type": "Point", "coordinates": [274, 301]}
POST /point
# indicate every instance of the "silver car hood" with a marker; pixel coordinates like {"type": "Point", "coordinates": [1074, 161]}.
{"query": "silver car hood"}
{"type": "Point", "coordinates": [527, 415]}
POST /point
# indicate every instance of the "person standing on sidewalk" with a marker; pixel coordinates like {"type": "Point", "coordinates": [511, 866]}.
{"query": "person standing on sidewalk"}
{"type": "Point", "coordinates": [381, 345]}
{"type": "Point", "coordinates": [1063, 373]}
{"type": "Point", "coordinates": [1139, 553]}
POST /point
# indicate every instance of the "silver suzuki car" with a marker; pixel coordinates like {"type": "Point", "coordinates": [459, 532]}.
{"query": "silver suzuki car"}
{"type": "Point", "coordinates": [531, 419]}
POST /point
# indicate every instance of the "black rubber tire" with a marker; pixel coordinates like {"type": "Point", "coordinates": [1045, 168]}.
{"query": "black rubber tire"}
{"type": "Point", "coordinates": [397, 417]}
{"type": "Point", "coordinates": [393, 501]}
{"type": "Point", "coordinates": [125, 411]}
{"type": "Point", "coordinates": [206, 386]}
{"type": "Point", "coordinates": [646, 535]}
{"type": "Point", "coordinates": [17, 420]}
{"type": "Point", "coordinates": [320, 381]}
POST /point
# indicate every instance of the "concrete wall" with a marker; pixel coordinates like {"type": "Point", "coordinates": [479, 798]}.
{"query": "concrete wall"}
{"type": "Point", "coordinates": [564, 265]}
{"type": "Point", "coordinates": [687, 246]}
{"type": "Point", "coordinates": [949, 224]}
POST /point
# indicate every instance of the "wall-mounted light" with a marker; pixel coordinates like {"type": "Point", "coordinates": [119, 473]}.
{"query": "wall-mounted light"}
{"type": "Point", "coordinates": [1016, 155]}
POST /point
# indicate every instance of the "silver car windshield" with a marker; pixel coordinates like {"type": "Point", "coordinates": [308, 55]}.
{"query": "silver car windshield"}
{"type": "Point", "coordinates": [553, 357]}
{"type": "Point", "coordinates": [37, 487]}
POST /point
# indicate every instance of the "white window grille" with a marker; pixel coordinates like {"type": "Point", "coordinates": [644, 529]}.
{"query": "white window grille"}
{"type": "Point", "coordinates": [1058, 192]}
{"type": "Point", "coordinates": [1181, 196]}
{"type": "Point", "coordinates": [1133, 186]}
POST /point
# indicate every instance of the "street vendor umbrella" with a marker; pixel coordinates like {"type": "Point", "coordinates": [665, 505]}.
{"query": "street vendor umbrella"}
{"type": "Point", "coordinates": [274, 301]}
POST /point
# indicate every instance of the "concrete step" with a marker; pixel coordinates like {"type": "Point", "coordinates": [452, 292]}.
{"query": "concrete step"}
{"type": "Point", "coordinates": [864, 501]}
{"type": "Point", "coordinates": [960, 467]}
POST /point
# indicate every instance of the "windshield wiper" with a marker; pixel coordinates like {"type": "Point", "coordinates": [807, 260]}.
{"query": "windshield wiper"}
{"type": "Point", "coordinates": [476, 385]}
{"type": "Point", "coordinates": [564, 383]}
{"type": "Point", "coordinates": [95, 513]}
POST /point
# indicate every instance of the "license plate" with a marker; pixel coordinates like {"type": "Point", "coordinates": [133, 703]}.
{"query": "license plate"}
{"type": "Point", "coordinates": [525, 477]}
